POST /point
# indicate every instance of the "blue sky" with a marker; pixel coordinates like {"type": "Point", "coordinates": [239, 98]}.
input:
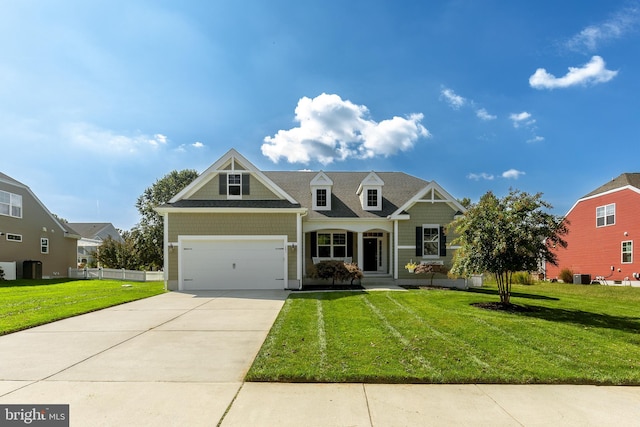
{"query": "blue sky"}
{"type": "Point", "coordinates": [99, 99]}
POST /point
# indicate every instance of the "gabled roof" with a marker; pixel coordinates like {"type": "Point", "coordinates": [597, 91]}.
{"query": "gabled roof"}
{"type": "Point", "coordinates": [231, 161]}
{"type": "Point", "coordinates": [624, 180]}
{"type": "Point", "coordinates": [96, 230]}
{"type": "Point", "coordinates": [345, 203]}
{"type": "Point", "coordinates": [9, 180]}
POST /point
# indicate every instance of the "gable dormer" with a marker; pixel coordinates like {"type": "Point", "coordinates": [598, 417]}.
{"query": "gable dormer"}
{"type": "Point", "coordinates": [370, 192]}
{"type": "Point", "coordinates": [321, 186]}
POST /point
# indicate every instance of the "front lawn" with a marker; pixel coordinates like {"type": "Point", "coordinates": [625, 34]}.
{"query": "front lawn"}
{"type": "Point", "coordinates": [28, 303]}
{"type": "Point", "coordinates": [561, 334]}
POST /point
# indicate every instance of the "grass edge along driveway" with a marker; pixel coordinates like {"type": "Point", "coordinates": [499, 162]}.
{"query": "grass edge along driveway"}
{"type": "Point", "coordinates": [28, 303]}
{"type": "Point", "coordinates": [564, 334]}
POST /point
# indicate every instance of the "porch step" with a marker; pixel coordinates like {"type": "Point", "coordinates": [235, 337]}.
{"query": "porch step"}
{"type": "Point", "coordinates": [377, 280]}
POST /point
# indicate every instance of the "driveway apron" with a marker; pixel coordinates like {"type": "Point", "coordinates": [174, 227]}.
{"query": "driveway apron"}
{"type": "Point", "coordinates": [174, 359]}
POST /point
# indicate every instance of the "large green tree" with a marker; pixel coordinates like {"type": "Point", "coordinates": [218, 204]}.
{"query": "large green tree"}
{"type": "Point", "coordinates": [119, 254]}
{"type": "Point", "coordinates": [149, 232]}
{"type": "Point", "coordinates": [505, 235]}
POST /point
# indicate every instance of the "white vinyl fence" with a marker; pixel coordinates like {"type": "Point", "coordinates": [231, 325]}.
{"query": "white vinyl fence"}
{"type": "Point", "coordinates": [114, 273]}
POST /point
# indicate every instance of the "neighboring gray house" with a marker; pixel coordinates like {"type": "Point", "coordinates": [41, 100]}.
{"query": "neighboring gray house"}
{"type": "Point", "coordinates": [92, 235]}
{"type": "Point", "coordinates": [237, 227]}
{"type": "Point", "coordinates": [30, 236]}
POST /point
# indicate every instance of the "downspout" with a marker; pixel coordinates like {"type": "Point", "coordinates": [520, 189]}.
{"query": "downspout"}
{"type": "Point", "coordinates": [165, 250]}
{"type": "Point", "coordinates": [300, 251]}
{"type": "Point", "coordinates": [395, 249]}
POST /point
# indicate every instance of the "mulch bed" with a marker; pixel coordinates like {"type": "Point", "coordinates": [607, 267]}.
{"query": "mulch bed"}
{"type": "Point", "coordinates": [498, 306]}
{"type": "Point", "coordinates": [332, 288]}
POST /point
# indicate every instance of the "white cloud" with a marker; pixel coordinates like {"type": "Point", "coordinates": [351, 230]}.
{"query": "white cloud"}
{"type": "Point", "coordinates": [484, 114]}
{"type": "Point", "coordinates": [521, 119]}
{"type": "Point", "coordinates": [592, 72]}
{"type": "Point", "coordinates": [512, 174]}
{"type": "Point", "coordinates": [331, 128]}
{"type": "Point", "coordinates": [536, 138]}
{"type": "Point", "coordinates": [622, 22]}
{"type": "Point", "coordinates": [197, 144]}
{"type": "Point", "coordinates": [90, 137]}
{"type": "Point", "coordinates": [479, 176]}
{"type": "Point", "coordinates": [455, 101]}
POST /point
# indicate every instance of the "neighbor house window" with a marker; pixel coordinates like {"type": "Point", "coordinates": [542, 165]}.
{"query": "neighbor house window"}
{"type": "Point", "coordinates": [10, 204]}
{"type": "Point", "coordinates": [234, 185]}
{"type": "Point", "coordinates": [332, 245]}
{"type": "Point", "coordinates": [606, 215]}
{"type": "Point", "coordinates": [44, 245]}
{"type": "Point", "coordinates": [321, 197]}
{"type": "Point", "coordinates": [14, 237]}
{"type": "Point", "coordinates": [372, 198]}
{"type": "Point", "coordinates": [627, 252]}
{"type": "Point", "coordinates": [430, 240]}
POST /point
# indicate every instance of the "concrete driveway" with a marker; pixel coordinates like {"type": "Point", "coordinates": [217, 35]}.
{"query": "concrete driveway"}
{"type": "Point", "coordinates": [174, 359]}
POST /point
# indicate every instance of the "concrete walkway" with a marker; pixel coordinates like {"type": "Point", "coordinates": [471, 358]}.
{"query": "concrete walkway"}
{"type": "Point", "coordinates": [178, 359]}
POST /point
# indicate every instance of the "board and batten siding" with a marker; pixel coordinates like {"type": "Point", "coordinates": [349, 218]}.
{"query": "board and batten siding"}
{"type": "Point", "coordinates": [423, 213]}
{"type": "Point", "coordinates": [232, 224]}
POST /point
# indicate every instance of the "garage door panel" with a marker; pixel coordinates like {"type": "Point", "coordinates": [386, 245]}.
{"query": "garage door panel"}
{"type": "Point", "coordinates": [233, 264]}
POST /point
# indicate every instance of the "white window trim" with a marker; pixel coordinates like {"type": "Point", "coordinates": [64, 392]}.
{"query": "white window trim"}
{"type": "Point", "coordinates": [13, 196]}
{"type": "Point", "coordinates": [331, 244]}
{"type": "Point", "coordinates": [44, 245]}
{"type": "Point", "coordinates": [229, 185]}
{"type": "Point", "coordinates": [622, 252]}
{"type": "Point", "coordinates": [18, 238]}
{"type": "Point", "coordinates": [604, 208]}
{"type": "Point", "coordinates": [317, 207]}
{"type": "Point", "coordinates": [437, 227]}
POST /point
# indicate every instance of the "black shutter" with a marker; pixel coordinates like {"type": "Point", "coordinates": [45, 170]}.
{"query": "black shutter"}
{"type": "Point", "coordinates": [443, 242]}
{"type": "Point", "coordinates": [223, 183]}
{"type": "Point", "coordinates": [349, 244]}
{"type": "Point", "coordinates": [314, 248]}
{"type": "Point", "coordinates": [245, 184]}
{"type": "Point", "coordinates": [419, 247]}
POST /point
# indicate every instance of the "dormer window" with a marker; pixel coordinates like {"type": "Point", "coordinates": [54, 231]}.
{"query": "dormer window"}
{"type": "Point", "coordinates": [372, 198]}
{"type": "Point", "coordinates": [321, 192]}
{"type": "Point", "coordinates": [321, 197]}
{"type": "Point", "coordinates": [370, 192]}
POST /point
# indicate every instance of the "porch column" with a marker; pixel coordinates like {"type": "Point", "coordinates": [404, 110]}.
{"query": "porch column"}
{"type": "Point", "coordinates": [299, 249]}
{"type": "Point", "coordinates": [395, 249]}
{"type": "Point", "coordinates": [360, 248]}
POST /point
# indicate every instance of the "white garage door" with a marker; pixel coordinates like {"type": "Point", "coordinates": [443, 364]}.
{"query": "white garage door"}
{"type": "Point", "coordinates": [232, 263]}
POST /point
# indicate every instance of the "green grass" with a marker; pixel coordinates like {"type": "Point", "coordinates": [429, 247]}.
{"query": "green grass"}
{"type": "Point", "coordinates": [28, 303]}
{"type": "Point", "coordinates": [569, 334]}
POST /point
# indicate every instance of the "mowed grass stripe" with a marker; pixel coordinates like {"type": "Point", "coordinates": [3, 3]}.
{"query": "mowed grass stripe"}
{"type": "Point", "coordinates": [410, 346]}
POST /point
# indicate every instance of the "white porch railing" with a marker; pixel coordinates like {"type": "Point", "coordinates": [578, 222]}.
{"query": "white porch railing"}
{"type": "Point", "coordinates": [114, 273]}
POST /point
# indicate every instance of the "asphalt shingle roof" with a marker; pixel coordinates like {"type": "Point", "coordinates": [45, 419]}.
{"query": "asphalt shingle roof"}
{"type": "Point", "coordinates": [623, 180]}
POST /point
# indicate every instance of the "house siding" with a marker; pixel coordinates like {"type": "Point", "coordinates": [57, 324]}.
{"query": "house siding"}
{"type": "Point", "coordinates": [221, 224]}
{"type": "Point", "coordinates": [62, 250]}
{"type": "Point", "coordinates": [593, 250]}
{"type": "Point", "coordinates": [211, 191]}
{"type": "Point", "coordinates": [423, 213]}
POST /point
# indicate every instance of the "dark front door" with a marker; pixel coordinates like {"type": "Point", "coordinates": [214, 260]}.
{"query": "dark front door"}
{"type": "Point", "coordinates": [370, 255]}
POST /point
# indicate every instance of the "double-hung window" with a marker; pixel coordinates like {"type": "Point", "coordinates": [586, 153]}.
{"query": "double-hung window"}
{"type": "Point", "coordinates": [606, 215]}
{"type": "Point", "coordinates": [372, 198]}
{"type": "Point", "coordinates": [10, 204]}
{"type": "Point", "coordinates": [234, 186]}
{"type": "Point", "coordinates": [44, 245]}
{"type": "Point", "coordinates": [430, 240]}
{"type": "Point", "coordinates": [332, 245]}
{"type": "Point", "coordinates": [627, 252]}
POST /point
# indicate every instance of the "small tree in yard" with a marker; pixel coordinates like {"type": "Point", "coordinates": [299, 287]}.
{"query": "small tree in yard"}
{"type": "Point", "coordinates": [431, 270]}
{"type": "Point", "coordinates": [503, 236]}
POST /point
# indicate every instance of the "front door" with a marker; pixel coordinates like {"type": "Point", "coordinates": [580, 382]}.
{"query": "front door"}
{"type": "Point", "coordinates": [370, 254]}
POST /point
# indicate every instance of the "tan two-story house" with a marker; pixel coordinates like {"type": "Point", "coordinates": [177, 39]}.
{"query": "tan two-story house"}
{"type": "Point", "coordinates": [30, 236]}
{"type": "Point", "coordinates": [237, 227]}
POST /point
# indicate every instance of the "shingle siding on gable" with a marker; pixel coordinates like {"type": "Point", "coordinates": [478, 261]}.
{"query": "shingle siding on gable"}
{"type": "Point", "coordinates": [211, 191]}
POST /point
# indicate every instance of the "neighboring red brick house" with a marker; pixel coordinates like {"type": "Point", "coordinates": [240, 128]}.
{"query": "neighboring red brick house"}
{"type": "Point", "coordinates": [604, 226]}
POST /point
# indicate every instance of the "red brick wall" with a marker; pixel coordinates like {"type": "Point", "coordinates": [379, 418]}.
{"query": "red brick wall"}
{"type": "Point", "coordinates": [593, 250]}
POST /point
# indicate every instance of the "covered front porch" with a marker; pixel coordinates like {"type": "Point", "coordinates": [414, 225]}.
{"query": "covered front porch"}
{"type": "Point", "coordinates": [367, 245]}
